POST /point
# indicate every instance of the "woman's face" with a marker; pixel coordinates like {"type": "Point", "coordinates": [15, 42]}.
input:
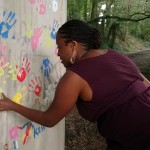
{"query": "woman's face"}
{"type": "Point", "coordinates": [64, 50]}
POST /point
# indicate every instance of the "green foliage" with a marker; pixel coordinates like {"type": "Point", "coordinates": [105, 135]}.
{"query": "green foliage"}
{"type": "Point", "coordinates": [78, 9]}
{"type": "Point", "coordinates": [117, 22]}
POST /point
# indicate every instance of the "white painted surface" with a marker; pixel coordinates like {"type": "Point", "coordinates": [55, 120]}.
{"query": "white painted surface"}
{"type": "Point", "coordinates": [30, 70]}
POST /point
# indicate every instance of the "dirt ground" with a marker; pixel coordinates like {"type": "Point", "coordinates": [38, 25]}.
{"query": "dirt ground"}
{"type": "Point", "coordinates": [81, 134]}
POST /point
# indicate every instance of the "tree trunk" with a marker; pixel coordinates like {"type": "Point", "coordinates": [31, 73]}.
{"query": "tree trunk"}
{"type": "Point", "coordinates": [142, 60]}
{"type": "Point", "coordinates": [94, 9]}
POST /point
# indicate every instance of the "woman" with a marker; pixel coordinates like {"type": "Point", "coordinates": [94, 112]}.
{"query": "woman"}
{"type": "Point", "coordinates": [106, 86]}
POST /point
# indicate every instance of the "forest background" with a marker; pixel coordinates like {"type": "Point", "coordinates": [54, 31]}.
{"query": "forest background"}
{"type": "Point", "coordinates": [125, 27]}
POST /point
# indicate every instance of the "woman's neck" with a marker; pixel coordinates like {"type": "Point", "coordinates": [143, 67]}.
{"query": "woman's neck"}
{"type": "Point", "coordinates": [92, 53]}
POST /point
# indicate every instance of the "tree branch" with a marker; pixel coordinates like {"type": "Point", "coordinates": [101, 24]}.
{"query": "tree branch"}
{"type": "Point", "coordinates": [130, 18]}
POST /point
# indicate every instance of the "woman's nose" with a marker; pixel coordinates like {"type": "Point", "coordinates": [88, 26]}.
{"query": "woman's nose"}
{"type": "Point", "coordinates": [57, 51]}
{"type": "Point", "coordinates": [58, 54]}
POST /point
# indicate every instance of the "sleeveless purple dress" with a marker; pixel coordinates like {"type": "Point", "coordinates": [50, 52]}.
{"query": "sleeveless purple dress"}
{"type": "Point", "coordinates": [120, 103]}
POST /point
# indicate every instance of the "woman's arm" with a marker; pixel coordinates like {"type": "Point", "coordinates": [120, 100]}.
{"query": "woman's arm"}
{"type": "Point", "coordinates": [66, 95]}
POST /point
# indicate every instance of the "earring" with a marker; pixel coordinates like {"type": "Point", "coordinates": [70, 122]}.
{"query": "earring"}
{"type": "Point", "coordinates": [72, 60]}
{"type": "Point", "coordinates": [73, 57]}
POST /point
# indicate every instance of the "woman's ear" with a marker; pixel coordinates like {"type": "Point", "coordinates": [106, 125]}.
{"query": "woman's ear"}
{"type": "Point", "coordinates": [74, 44]}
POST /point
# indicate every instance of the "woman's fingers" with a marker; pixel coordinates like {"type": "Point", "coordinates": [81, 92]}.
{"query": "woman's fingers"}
{"type": "Point", "coordinates": [4, 102]}
{"type": "Point", "coordinates": [2, 107]}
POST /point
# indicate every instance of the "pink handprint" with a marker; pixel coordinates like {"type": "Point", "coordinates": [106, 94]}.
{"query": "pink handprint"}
{"type": "Point", "coordinates": [32, 1]}
{"type": "Point", "coordinates": [35, 38]}
{"type": "Point", "coordinates": [41, 7]}
{"type": "Point", "coordinates": [22, 73]}
{"type": "Point", "coordinates": [2, 55]}
{"type": "Point", "coordinates": [13, 133]}
{"type": "Point", "coordinates": [36, 88]}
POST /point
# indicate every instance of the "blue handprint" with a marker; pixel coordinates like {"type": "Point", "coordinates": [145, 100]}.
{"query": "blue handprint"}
{"type": "Point", "coordinates": [46, 67]}
{"type": "Point", "coordinates": [6, 26]}
{"type": "Point", "coordinates": [54, 30]}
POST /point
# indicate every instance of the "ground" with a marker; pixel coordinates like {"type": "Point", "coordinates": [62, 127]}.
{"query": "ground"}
{"type": "Point", "coordinates": [83, 135]}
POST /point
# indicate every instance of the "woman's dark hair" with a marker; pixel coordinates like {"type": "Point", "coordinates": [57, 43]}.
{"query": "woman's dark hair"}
{"type": "Point", "coordinates": [81, 32]}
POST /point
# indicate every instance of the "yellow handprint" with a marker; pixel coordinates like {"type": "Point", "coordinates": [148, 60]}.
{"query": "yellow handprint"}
{"type": "Point", "coordinates": [2, 69]}
{"type": "Point", "coordinates": [19, 96]}
{"type": "Point", "coordinates": [1, 72]}
{"type": "Point", "coordinates": [12, 70]}
{"type": "Point", "coordinates": [48, 40]}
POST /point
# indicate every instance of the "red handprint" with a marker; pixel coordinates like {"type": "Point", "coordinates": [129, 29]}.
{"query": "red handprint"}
{"type": "Point", "coordinates": [22, 73]}
{"type": "Point", "coordinates": [35, 86]}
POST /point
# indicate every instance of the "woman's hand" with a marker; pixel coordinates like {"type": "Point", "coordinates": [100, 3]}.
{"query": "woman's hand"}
{"type": "Point", "coordinates": [5, 103]}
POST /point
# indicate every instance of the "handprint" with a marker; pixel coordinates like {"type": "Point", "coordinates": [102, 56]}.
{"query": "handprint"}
{"type": "Point", "coordinates": [41, 7]}
{"type": "Point", "coordinates": [46, 67]}
{"type": "Point", "coordinates": [2, 55]}
{"type": "Point", "coordinates": [22, 73]}
{"type": "Point", "coordinates": [13, 133]}
{"type": "Point", "coordinates": [19, 96]}
{"type": "Point", "coordinates": [35, 38]}
{"type": "Point", "coordinates": [6, 26]}
{"type": "Point", "coordinates": [48, 40]}
{"type": "Point", "coordinates": [54, 30]}
{"type": "Point", "coordinates": [2, 60]}
{"type": "Point", "coordinates": [32, 1]}
{"type": "Point", "coordinates": [2, 69]}
{"type": "Point", "coordinates": [1, 72]}
{"type": "Point", "coordinates": [54, 5]}
{"type": "Point", "coordinates": [34, 85]}
{"type": "Point", "coordinates": [12, 70]}
{"type": "Point", "coordinates": [29, 31]}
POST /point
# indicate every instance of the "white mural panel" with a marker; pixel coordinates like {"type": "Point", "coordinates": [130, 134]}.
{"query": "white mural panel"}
{"type": "Point", "coordinates": [30, 70]}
